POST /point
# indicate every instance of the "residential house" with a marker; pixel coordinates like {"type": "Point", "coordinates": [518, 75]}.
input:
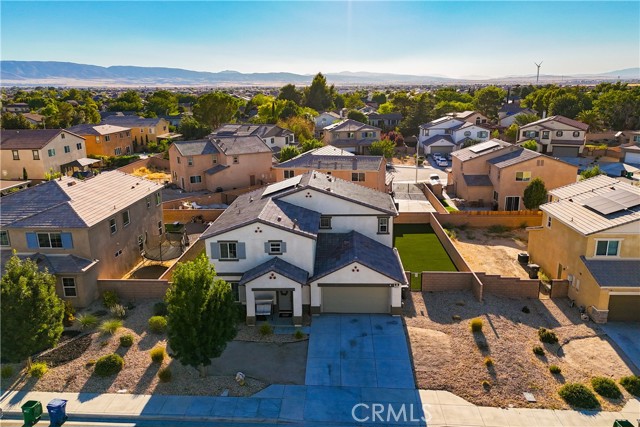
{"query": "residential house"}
{"type": "Point", "coordinates": [16, 107]}
{"type": "Point", "coordinates": [472, 117]}
{"type": "Point", "coordinates": [558, 136]}
{"type": "Point", "coordinates": [369, 171]}
{"type": "Point", "coordinates": [448, 134]}
{"type": "Point", "coordinates": [274, 136]}
{"type": "Point", "coordinates": [143, 130]}
{"type": "Point", "coordinates": [83, 230]}
{"type": "Point", "coordinates": [631, 151]}
{"type": "Point", "coordinates": [496, 173]}
{"type": "Point", "coordinates": [326, 118]}
{"type": "Point", "coordinates": [36, 152]}
{"type": "Point", "coordinates": [508, 113]}
{"type": "Point", "coordinates": [590, 236]}
{"type": "Point", "coordinates": [37, 120]}
{"type": "Point", "coordinates": [351, 135]}
{"type": "Point", "coordinates": [388, 121]}
{"type": "Point", "coordinates": [313, 244]}
{"type": "Point", "coordinates": [105, 140]}
{"type": "Point", "coordinates": [215, 163]}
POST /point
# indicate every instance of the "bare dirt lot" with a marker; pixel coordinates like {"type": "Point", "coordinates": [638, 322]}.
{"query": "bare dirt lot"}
{"type": "Point", "coordinates": [448, 356]}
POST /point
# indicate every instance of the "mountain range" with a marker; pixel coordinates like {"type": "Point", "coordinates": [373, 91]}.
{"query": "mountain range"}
{"type": "Point", "coordinates": [30, 73]}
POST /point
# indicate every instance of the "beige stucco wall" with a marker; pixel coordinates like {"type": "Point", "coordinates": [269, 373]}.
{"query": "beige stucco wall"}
{"type": "Point", "coordinates": [99, 146]}
{"type": "Point", "coordinates": [182, 172]}
{"type": "Point", "coordinates": [372, 179]}
{"type": "Point", "coordinates": [141, 134]}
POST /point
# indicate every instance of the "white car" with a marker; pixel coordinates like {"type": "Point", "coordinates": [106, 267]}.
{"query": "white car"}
{"type": "Point", "coordinates": [442, 162]}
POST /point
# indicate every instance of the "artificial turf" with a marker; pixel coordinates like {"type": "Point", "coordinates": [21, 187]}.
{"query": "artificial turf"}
{"type": "Point", "coordinates": [420, 249]}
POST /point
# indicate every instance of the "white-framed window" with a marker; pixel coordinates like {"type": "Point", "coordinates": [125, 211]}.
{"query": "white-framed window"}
{"type": "Point", "coordinates": [523, 176]}
{"type": "Point", "coordinates": [113, 226]}
{"type": "Point", "coordinates": [483, 134]}
{"type": "Point", "coordinates": [117, 151]}
{"type": "Point", "coordinates": [62, 136]}
{"type": "Point", "coordinates": [545, 134]}
{"type": "Point", "coordinates": [127, 133]}
{"type": "Point", "coordinates": [357, 176]}
{"type": "Point", "coordinates": [425, 132]}
{"type": "Point", "coordinates": [325, 222]}
{"type": "Point", "coordinates": [189, 161]}
{"type": "Point", "coordinates": [160, 228]}
{"type": "Point", "coordinates": [148, 203]}
{"type": "Point", "coordinates": [289, 174]}
{"type": "Point", "coordinates": [275, 247]}
{"type": "Point", "coordinates": [228, 250]}
{"type": "Point", "coordinates": [36, 154]}
{"type": "Point", "coordinates": [576, 134]}
{"type": "Point", "coordinates": [158, 198]}
{"type": "Point", "coordinates": [69, 289]}
{"type": "Point", "coordinates": [15, 154]}
{"type": "Point", "coordinates": [467, 133]}
{"type": "Point", "coordinates": [151, 130]}
{"type": "Point", "coordinates": [236, 160]}
{"type": "Point", "coordinates": [67, 149]}
{"type": "Point", "coordinates": [496, 196]}
{"type": "Point", "coordinates": [383, 225]}
{"type": "Point", "coordinates": [197, 179]}
{"type": "Point", "coordinates": [126, 218]}
{"type": "Point", "coordinates": [4, 238]}
{"type": "Point", "coordinates": [351, 135]}
{"type": "Point", "coordinates": [607, 247]}
{"type": "Point", "coordinates": [529, 133]}
{"type": "Point", "coordinates": [273, 140]}
{"type": "Point", "coordinates": [49, 240]}
{"type": "Point", "coordinates": [214, 159]}
{"type": "Point", "coordinates": [559, 133]}
{"type": "Point", "coordinates": [79, 146]}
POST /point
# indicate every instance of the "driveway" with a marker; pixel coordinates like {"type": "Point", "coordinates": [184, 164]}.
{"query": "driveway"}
{"type": "Point", "coordinates": [625, 335]}
{"type": "Point", "coordinates": [358, 350]}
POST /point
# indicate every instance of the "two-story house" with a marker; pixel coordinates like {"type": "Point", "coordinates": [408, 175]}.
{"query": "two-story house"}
{"type": "Point", "coordinates": [325, 119]}
{"type": "Point", "coordinates": [215, 163]}
{"type": "Point", "coordinates": [143, 130]}
{"type": "Point", "coordinates": [558, 136]}
{"type": "Point", "coordinates": [351, 135]}
{"type": "Point", "coordinates": [496, 173]}
{"type": "Point", "coordinates": [508, 112]}
{"type": "Point", "coordinates": [30, 154]}
{"type": "Point", "coordinates": [387, 121]}
{"type": "Point", "coordinates": [590, 236]}
{"type": "Point", "coordinates": [105, 140]}
{"type": "Point", "coordinates": [310, 244]}
{"type": "Point", "coordinates": [275, 137]}
{"type": "Point", "coordinates": [448, 134]}
{"type": "Point", "coordinates": [83, 230]}
{"type": "Point", "coordinates": [473, 117]}
{"type": "Point", "coordinates": [369, 171]}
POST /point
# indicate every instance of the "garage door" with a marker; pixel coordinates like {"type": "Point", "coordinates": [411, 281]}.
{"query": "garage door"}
{"type": "Point", "coordinates": [632, 158]}
{"type": "Point", "coordinates": [565, 152]}
{"type": "Point", "coordinates": [624, 308]}
{"type": "Point", "coordinates": [355, 299]}
{"type": "Point", "coordinates": [442, 149]}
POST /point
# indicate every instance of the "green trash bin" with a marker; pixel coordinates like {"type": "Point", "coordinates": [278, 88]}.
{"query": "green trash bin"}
{"type": "Point", "coordinates": [31, 412]}
{"type": "Point", "coordinates": [622, 423]}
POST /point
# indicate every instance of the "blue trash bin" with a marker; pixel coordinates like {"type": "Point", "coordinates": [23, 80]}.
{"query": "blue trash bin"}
{"type": "Point", "coordinates": [57, 409]}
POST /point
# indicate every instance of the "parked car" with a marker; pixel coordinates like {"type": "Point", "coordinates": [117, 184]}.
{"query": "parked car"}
{"type": "Point", "coordinates": [434, 178]}
{"type": "Point", "coordinates": [442, 163]}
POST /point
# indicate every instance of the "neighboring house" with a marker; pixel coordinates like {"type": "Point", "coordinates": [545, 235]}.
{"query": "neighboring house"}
{"type": "Point", "coordinates": [387, 121]}
{"type": "Point", "coordinates": [369, 171]}
{"type": "Point", "coordinates": [590, 236]}
{"type": "Point", "coordinates": [105, 140]}
{"type": "Point", "coordinates": [631, 151]}
{"type": "Point", "coordinates": [472, 117]}
{"type": "Point", "coordinates": [273, 136]}
{"type": "Point", "coordinates": [41, 151]}
{"type": "Point", "coordinates": [143, 130]}
{"type": "Point", "coordinates": [326, 118]}
{"type": "Point", "coordinates": [310, 244]}
{"type": "Point", "coordinates": [508, 113]}
{"type": "Point", "coordinates": [495, 173]}
{"type": "Point", "coordinates": [448, 134]}
{"type": "Point", "coordinates": [219, 162]}
{"type": "Point", "coordinates": [351, 135]}
{"type": "Point", "coordinates": [83, 230]}
{"type": "Point", "coordinates": [17, 107]}
{"type": "Point", "coordinates": [558, 136]}
{"type": "Point", "coordinates": [35, 119]}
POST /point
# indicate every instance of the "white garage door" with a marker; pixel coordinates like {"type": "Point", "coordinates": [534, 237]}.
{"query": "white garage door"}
{"type": "Point", "coordinates": [355, 299]}
{"type": "Point", "coordinates": [632, 158]}
{"type": "Point", "coordinates": [565, 152]}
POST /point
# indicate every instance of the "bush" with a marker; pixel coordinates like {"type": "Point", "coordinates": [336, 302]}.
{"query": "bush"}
{"type": "Point", "coordinates": [298, 334]}
{"type": "Point", "coordinates": [157, 354]}
{"type": "Point", "coordinates": [158, 324]}
{"type": "Point", "coordinates": [538, 351]}
{"type": "Point", "coordinates": [451, 233]}
{"type": "Point", "coordinates": [160, 309]}
{"type": "Point", "coordinates": [38, 369]}
{"type": "Point", "coordinates": [118, 311]}
{"type": "Point", "coordinates": [488, 362]}
{"type": "Point", "coordinates": [631, 384]}
{"type": "Point", "coordinates": [266, 329]}
{"type": "Point", "coordinates": [606, 387]}
{"type": "Point", "coordinates": [542, 276]}
{"type": "Point", "coordinates": [126, 340]}
{"type": "Point", "coordinates": [87, 321]}
{"type": "Point", "coordinates": [110, 326]}
{"type": "Point", "coordinates": [555, 369]}
{"type": "Point", "coordinates": [164, 374]}
{"type": "Point", "coordinates": [7, 371]}
{"type": "Point", "coordinates": [110, 298]}
{"type": "Point", "coordinates": [476, 325]}
{"type": "Point", "coordinates": [69, 314]}
{"type": "Point", "coordinates": [578, 396]}
{"type": "Point", "coordinates": [108, 365]}
{"type": "Point", "coordinates": [547, 336]}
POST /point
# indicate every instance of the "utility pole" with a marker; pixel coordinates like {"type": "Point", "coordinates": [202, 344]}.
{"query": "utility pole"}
{"type": "Point", "coordinates": [538, 74]}
{"type": "Point", "coordinates": [417, 155]}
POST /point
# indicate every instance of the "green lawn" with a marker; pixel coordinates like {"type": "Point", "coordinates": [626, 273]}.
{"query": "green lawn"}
{"type": "Point", "coordinates": [420, 249]}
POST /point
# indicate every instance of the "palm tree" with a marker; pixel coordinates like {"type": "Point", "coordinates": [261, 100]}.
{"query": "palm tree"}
{"type": "Point", "coordinates": [591, 118]}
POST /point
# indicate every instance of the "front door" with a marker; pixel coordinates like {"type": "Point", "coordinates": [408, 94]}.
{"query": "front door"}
{"type": "Point", "coordinates": [285, 301]}
{"type": "Point", "coordinates": [512, 203]}
{"type": "Point", "coordinates": [252, 180]}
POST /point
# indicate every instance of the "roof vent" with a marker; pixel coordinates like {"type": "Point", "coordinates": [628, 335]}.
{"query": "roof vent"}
{"type": "Point", "coordinates": [133, 187]}
{"type": "Point", "coordinates": [279, 218]}
{"type": "Point", "coordinates": [250, 199]}
{"type": "Point", "coordinates": [72, 183]}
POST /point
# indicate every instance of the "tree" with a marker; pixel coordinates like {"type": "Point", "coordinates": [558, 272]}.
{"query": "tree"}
{"type": "Point", "coordinates": [162, 103]}
{"type": "Point", "coordinates": [201, 313]}
{"type": "Point", "coordinates": [288, 152]}
{"type": "Point", "coordinates": [421, 111]}
{"type": "Point", "coordinates": [190, 128]}
{"type": "Point", "coordinates": [385, 148]}
{"type": "Point", "coordinates": [567, 105]}
{"type": "Point", "coordinates": [495, 134]}
{"type": "Point", "coordinates": [530, 145]}
{"type": "Point", "coordinates": [310, 144]}
{"type": "Point", "coordinates": [619, 108]}
{"type": "Point", "coordinates": [535, 194]}
{"type": "Point", "coordinates": [591, 172]}
{"type": "Point", "coordinates": [386, 108]}
{"type": "Point", "coordinates": [488, 100]}
{"type": "Point", "coordinates": [128, 101]}
{"type": "Point", "coordinates": [318, 95]}
{"type": "Point", "coordinates": [301, 127]}
{"type": "Point", "coordinates": [290, 93]}
{"type": "Point", "coordinates": [379, 98]}
{"type": "Point", "coordinates": [353, 101]}
{"type": "Point", "coordinates": [525, 119]}
{"type": "Point", "coordinates": [215, 108]}
{"type": "Point", "coordinates": [511, 133]}
{"type": "Point", "coordinates": [358, 116]}
{"type": "Point", "coordinates": [14, 121]}
{"type": "Point", "coordinates": [31, 312]}
{"type": "Point", "coordinates": [590, 118]}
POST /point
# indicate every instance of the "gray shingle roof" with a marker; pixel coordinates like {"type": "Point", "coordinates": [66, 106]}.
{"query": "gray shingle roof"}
{"type": "Point", "coordinates": [27, 139]}
{"type": "Point", "coordinates": [337, 250]}
{"type": "Point", "coordinates": [467, 154]}
{"type": "Point", "coordinates": [478, 180]}
{"type": "Point", "coordinates": [263, 131]}
{"type": "Point", "coordinates": [233, 145]}
{"type": "Point", "coordinates": [350, 125]}
{"type": "Point", "coordinates": [386, 116]}
{"type": "Point", "coordinates": [614, 273]}
{"type": "Point", "coordinates": [560, 119]}
{"type": "Point", "coordinates": [131, 121]}
{"type": "Point", "coordinates": [351, 143]}
{"type": "Point", "coordinates": [196, 147]}
{"type": "Point", "coordinates": [514, 157]}
{"type": "Point", "coordinates": [435, 138]}
{"type": "Point", "coordinates": [277, 265]}
{"type": "Point", "coordinates": [311, 160]}
{"type": "Point", "coordinates": [215, 169]}
{"type": "Point", "coordinates": [55, 264]}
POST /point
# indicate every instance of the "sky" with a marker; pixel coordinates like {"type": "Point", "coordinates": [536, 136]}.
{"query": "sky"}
{"type": "Point", "coordinates": [450, 38]}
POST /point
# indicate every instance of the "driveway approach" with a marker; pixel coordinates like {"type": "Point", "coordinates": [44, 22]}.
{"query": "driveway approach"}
{"type": "Point", "coordinates": [625, 335]}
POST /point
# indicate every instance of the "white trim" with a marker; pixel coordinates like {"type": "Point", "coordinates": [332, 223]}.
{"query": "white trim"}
{"type": "Point", "coordinates": [595, 249]}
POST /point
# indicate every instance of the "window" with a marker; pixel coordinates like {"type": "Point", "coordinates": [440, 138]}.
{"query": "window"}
{"type": "Point", "coordinates": [425, 132]}
{"type": "Point", "coordinates": [496, 196]}
{"type": "Point", "coordinates": [540, 162]}
{"type": "Point", "coordinates": [351, 135]}
{"type": "Point", "coordinates": [548, 222]}
{"type": "Point", "coordinates": [148, 203]}
{"type": "Point", "coordinates": [636, 138]}
{"type": "Point", "coordinates": [36, 154]}
{"type": "Point", "coordinates": [151, 130]}
{"type": "Point", "coordinates": [368, 134]}
{"type": "Point", "coordinates": [127, 150]}
{"type": "Point", "coordinates": [178, 160]}
{"type": "Point", "coordinates": [273, 140]}
{"type": "Point", "coordinates": [120, 134]}
{"type": "Point", "coordinates": [325, 222]}
{"type": "Point", "coordinates": [107, 138]}
{"type": "Point", "coordinates": [15, 154]}
{"type": "Point", "coordinates": [158, 198]}
{"type": "Point", "coordinates": [607, 247]}
{"type": "Point", "coordinates": [112, 225]}
{"type": "Point", "coordinates": [118, 253]}
{"type": "Point", "coordinates": [69, 287]}
{"type": "Point", "coordinates": [97, 139]}
{"type": "Point", "coordinates": [195, 179]}
{"type": "Point", "coordinates": [126, 218]}
{"type": "Point", "coordinates": [523, 176]}
{"type": "Point", "coordinates": [235, 291]}
{"type": "Point", "coordinates": [51, 152]}
{"type": "Point", "coordinates": [512, 203]}
{"type": "Point", "coordinates": [289, 174]}
{"type": "Point", "coordinates": [545, 134]}
{"type": "Point", "coordinates": [62, 136]}
{"type": "Point", "coordinates": [214, 159]}
{"type": "Point", "coordinates": [49, 240]}
{"type": "Point", "coordinates": [236, 160]}
{"type": "Point", "coordinates": [67, 149]}
{"type": "Point", "coordinates": [190, 161]}
{"type": "Point", "coordinates": [559, 133]}
{"type": "Point", "coordinates": [160, 228]}
{"type": "Point", "coordinates": [483, 134]}
{"type": "Point", "coordinates": [275, 248]}
{"type": "Point", "coordinates": [118, 151]}
{"type": "Point", "coordinates": [4, 238]}
{"type": "Point", "coordinates": [357, 176]}
{"type": "Point", "coordinates": [127, 133]}
{"type": "Point", "coordinates": [467, 133]}
{"type": "Point", "coordinates": [576, 134]}
{"type": "Point", "coordinates": [529, 133]}
{"type": "Point", "coordinates": [383, 225]}
{"type": "Point", "coordinates": [228, 250]}
{"type": "Point", "coordinates": [79, 146]}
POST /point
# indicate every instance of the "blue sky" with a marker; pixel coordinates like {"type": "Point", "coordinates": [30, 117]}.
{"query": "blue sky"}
{"type": "Point", "coordinates": [452, 38]}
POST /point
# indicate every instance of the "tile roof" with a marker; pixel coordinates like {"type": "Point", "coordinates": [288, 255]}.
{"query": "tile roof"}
{"type": "Point", "coordinates": [131, 121]}
{"type": "Point", "coordinates": [330, 150]}
{"type": "Point", "coordinates": [621, 273]}
{"type": "Point", "coordinates": [277, 265]}
{"type": "Point", "coordinates": [587, 185]}
{"type": "Point", "coordinates": [351, 143]}
{"type": "Point", "coordinates": [54, 263]}
{"type": "Point", "coordinates": [349, 125]}
{"type": "Point", "coordinates": [477, 180]}
{"type": "Point", "coordinates": [435, 138]}
{"type": "Point", "coordinates": [195, 147]}
{"type": "Point", "coordinates": [337, 250]}
{"type": "Point", "coordinates": [262, 130]}
{"type": "Point", "coordinates": [468, 154]}
{"type": "Point", "coordinates": [514, 157]}
{"type": "Point", "coordinates": [312, 160]}
{"type": "Point", "coordinates": [386, 116]}
{"type": "Point", "coordinates": [28, 139]}
{"type": "Point", "coordinates": [89, 129]}
{"type": "Point", "coordinates": [560, 119]}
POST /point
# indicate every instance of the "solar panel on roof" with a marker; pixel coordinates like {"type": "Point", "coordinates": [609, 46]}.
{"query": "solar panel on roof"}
{"type": "Point", "coordinates": [283, 185]}
{"type": "Point", "coordinates": [483, 146]}
{"type": "Point", "coordinates": [624, 197]}
{"type": "Point", "coordinates": [613, 201]}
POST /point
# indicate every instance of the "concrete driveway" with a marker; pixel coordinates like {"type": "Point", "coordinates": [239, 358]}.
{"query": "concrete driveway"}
{"type": "Point", "coordinates": [626, 336]}
{"type": "Point", "coordinates": [358, 350]}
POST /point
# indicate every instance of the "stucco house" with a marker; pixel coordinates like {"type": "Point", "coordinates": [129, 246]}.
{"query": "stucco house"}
{"type": "Point", "coordinates": [308, 245]}
{"type": "Point", "coordinates": [387, 121]}
{"type": "Point", "coordinates": [590, 236]}
{"type": "Point", "coordinates": [558, 136]}
{"type": "Point", "coordinates": [508, 113]}
{"type": "Point", "coordinates": [143, 130]}
{"type": "Point", "coordinates": [496, 173]}
{"type": "Point", "coordinates": [473, 117]}
{"type": "Point", "coordinates": [83, 230]}
{"type": "Point", "coordinates": [105, 140]}
{"type": "Point", "coordinates": [448, 134]}
{"type": "Point", "coordinates": [351, 135]}
{"type": "Point", "coordinates": [275, 137]}
{"type": "Point", "coordinates": [326, 118]}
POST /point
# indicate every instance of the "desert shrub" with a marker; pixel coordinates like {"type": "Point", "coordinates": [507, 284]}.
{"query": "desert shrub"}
{"type": "Point", "coordinates": [578, 396]}
{"type": "Point", "coordinates": [606, 387]}
{"type": "Point", "coordinates": [488, 362]}
{"type": "Point", "coordinates": [110, 298]}
{"type": "Point", "coordinates": [108, 365]}
{"type": "Point", "coordinates": [538, 351]}
{"type": "Point", "coordinates": [266, 329]}
{"type": "Point", "coordinates": [547, 336]}
{"type": "Point", "coordinates": [87, 321]}
{"type": "Point", "coordinates": [542, 276]}
{"type": "Point", "coordinates": [160, 309]}
{"type": "Point", "coordinates": [69, 314]}
{"type": "Point", "coordinates": [476, 325]}
{"type": "Point", "coordinates": [118, 311]}
{"type": "Point", "coordinates": [631, 384]}
{"type": "Point", "coordinates": [110, 326]}
{"type": "Point", "coordinates": [451, 233]}
{"type": "Point", "coordinates": [157, 354]}
{"type": "Point", "coordinates": [7, 371]}
{"type": "Point", "coordinates": [38, 369]}
{"type": "Point", "coordinates": [158, 324]}
{"type": "Point", "coordinates": [164, 374]}
{"type": "Point", "coordinates": [555, 369]}
{"type": "Point", "coordinates": [298, 334]}
{"type": "Point", "coordinates": [126, 340]}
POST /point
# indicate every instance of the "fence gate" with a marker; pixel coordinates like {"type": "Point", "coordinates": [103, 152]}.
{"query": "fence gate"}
{"type": "Point", "coordinates": [416, 281]}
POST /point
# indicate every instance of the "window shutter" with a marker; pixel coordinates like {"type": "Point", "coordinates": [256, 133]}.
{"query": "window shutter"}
{"type": "Point", "coordinates": [283, 245]}
{"type": "Point", "coordinates": [266, 247]}
{"type": "Point", "coordinates": [67, 240]}
{"type": "Point", "coordinates": [215, 250]}
{"type": "Point", "coordinates": [32, 241]}
{"type": "Point", "coordinates": [242, 252]}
